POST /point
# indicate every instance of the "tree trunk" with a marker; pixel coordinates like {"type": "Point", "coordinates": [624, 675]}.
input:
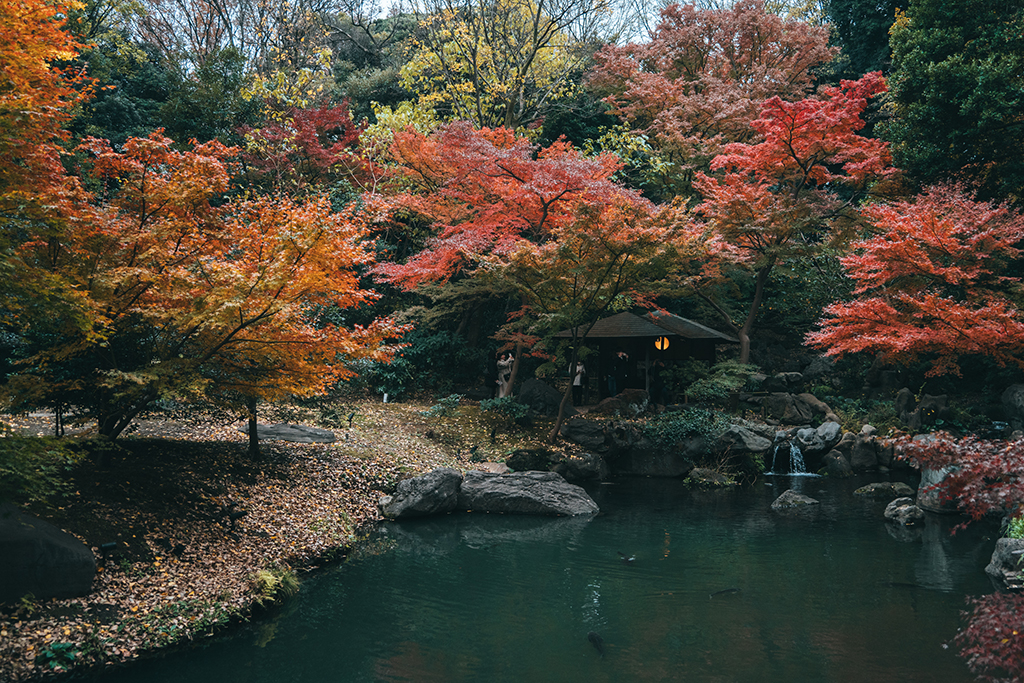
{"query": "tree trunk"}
{"type": "Point", "coordinates": [553, 435]}
{"type": "Point", "coordinates": [515, 371]}
{"type": "Point", "coordinates": [254, 437]}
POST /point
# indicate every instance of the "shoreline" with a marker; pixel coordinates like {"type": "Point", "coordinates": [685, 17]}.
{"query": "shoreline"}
{"type": "Point", "coordinates": [181, 574]}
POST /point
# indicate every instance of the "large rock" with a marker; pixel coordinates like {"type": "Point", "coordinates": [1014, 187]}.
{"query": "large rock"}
{"type": "Point", "coordinates": [864, 453]}
{"type": "Point", "coordinates": [930, 495]}
{"type": "Point", "coordinates": [542, 398]}
{"type": "Point", "coordinates": [738, 439]}
{"type": "Point", "coordinates": [40, 559]}
{"type": "Point", "coordinates": [903, 511]}
{"type": "Point", "coordinates": [1013, 405]}
{"type": "Point", "coordinates": [792, 499]}
{"type": "Point", "coordinates": [591, 434]}
{"type": "Point", "coordinates": [885, 489]}
{"type": "Point", "coordinates": [784, 382]}
{"type": "Point", "coordinates": [575, 468]}
{"type": "Point", "coordinates": [836, 465]}
{"type": "Point", "coordinates": [524, 493]}
{"type": "Point", "coordinates": [1005, 565]}
{"type": "Point", "coordinates": [815, 442]}
{"type": "Point", "coordinates": [435, 492]}
{"type": "Point", "coordinates": [627, 403]}
{"type": "Point", "coordinates": [583, 467]}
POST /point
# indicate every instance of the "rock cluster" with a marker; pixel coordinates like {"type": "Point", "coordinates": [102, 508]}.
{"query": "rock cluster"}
{"type": "Point", "coordinates": [526, 493]}
{"type": "Point", "coordinates": [40, 559]}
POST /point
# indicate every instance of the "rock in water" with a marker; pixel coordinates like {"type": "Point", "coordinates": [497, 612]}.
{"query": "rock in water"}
{"type": "Point", "coordinates": [792, 499]}
{"type": "Point", "coordinates": [433, 493]}
{"type": "Point", "coordinates": [524, 493]}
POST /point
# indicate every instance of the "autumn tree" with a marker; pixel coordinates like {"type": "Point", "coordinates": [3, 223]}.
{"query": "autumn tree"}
{"type": "Point", "coordinates": [776, 200]}
{"type": "Point", "coordinates": [193, 297]}
{"type": "Point", "coordinates": [931, 283]}
{"type": "Point", "coordinates": [702, 79]}
{"type": "Point", "coordinates": [501, 62]}
{"type": "Point", "coordinates": [607, 259]}
{"type": "Point", "coordinates": [307, 150]}
{"type": "Point", "coordinates": [488, 194]}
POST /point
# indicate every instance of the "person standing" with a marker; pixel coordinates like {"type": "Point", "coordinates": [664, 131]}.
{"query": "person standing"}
{"type": "Point", "coordinates": [504, 373]}
{"type": "Point", "coordinates": [578, 383]}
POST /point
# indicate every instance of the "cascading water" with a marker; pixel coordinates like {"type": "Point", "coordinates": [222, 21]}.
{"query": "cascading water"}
{"type": "Point", "coordinates": [792, 460]}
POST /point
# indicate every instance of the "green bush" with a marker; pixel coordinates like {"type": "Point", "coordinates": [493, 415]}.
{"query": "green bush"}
{"type": "Point", "coordinates": [33, 468]}
{"type": "Point", "coordinates": [507, 407]}
{"type": "Point", "coordinates": [723, 379]}
{"type": "Point", "coordinates": [445, 406]}
{"type": "Point", "coordinates": [672, 428]}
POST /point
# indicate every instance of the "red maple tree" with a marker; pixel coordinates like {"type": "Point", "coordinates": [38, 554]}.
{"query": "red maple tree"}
{"type": "Point", "coordinates": [931, 283]}
{"type": "Point", "coordinates": [775, 200]}
{"type": "Point", "coordinates": [306, 149]}
{"type": "Point", "coordinates": [701, 80]}
{"type": "Point", "coordinates": [482, 191]}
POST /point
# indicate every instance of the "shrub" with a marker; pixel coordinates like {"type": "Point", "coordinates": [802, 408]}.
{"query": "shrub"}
{"type": "Point", "coordinates": [507, 407]}
{"type": "Point", "coordinates": [273, 583]}
{"type": "Point", "coordinates": [672, 428]}
{"type": "Point", "coordinates": [32, 468]}
{"type": "Point", "coordinates": [445, 406]}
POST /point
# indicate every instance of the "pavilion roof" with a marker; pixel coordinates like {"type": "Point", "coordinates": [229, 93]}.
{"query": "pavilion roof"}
{"type": "Point", "coordinates": [652, 324]}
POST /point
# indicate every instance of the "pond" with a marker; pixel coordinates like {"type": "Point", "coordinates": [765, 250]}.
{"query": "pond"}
{"type": "Point", "coordinates": [675, 584]}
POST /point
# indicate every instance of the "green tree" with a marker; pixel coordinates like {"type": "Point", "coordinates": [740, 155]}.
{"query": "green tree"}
{"type": "Point", "coordinates": [860, 28]}
{"type": "Point", "coordinates": [957, 94]}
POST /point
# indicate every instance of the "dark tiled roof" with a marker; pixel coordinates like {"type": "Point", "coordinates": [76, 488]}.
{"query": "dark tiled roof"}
{"type": "Point", "coordinates": [654, 324]}
{"type": "Point", "coordinates": [685, 327]}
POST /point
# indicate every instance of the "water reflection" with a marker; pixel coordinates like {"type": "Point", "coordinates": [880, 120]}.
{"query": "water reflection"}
{"type": "Point", "coordinates": [505, 599]}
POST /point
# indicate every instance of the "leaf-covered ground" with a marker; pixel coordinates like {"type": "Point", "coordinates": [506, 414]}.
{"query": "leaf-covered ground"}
{"type": "Point", "coordinates": [181, 567]}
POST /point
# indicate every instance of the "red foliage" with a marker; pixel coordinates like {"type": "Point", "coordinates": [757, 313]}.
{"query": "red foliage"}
{"type": "Point", "coordinates": [984, 477]}
{"type": "Point", "coordinates": [484, 190]}
{"type": "Point", "coordinates": [309, 148]}
{"type": "Point", "coordinates": [774, 200]}
{"type": "Point", "coordinates": [702, 78]}
{"type": "Point", "coordinates": [931, 283]}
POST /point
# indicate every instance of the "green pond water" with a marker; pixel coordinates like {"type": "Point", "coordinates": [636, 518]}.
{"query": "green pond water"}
{"type": "Point", "coordinates": [829, 595]}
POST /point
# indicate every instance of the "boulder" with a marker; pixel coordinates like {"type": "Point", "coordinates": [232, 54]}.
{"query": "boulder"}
{"type": "Point", "coordinates": [864, 453]}
{"type": "Point", "coordinates": [885, 489]}
{"type": "Point", "coordinates": [783, 382]}
{"type": "Point", "coordinates": [708, 479]}
{"type": "Point", "coordinates": [526, 459]}
{"type": "Point", "coordinates": [435, 492]}
{"type": "Point", "coordinates": [903, 511]}
{"type": "Point", "coordinates": [929, 492]}
{"type": "Point", "coordinates": [583, 467]}
{"type": "Point", "coordinates": [739, 440]}
{"type": "Point", "coordinates": [40, 559]}
{"type": "Point", "coordinates": [542, 398]}
{"type": "Point", "coordinates": [627, 403]}
{"type": "Point", "coordinates": [815, 442]}
{"type": "Point", "coordinates": [524, 493]}
{"type": "Point", "coordinates": [1013, 405]}
{"type": "Point", "coordinates": [1005, 565]}
{"type": "Point", "coordinates": [836, 465]}
{"type": "Point", "coordinates": [819, 367]}
{"type": "Point", "coordinates": [591, 434]}
{"type": "Point", "coordinates": [928, 410]}
{"type": "Point", "coordinates": [905, 403]}
{"type": "Point", "coordinates": [792, 499]}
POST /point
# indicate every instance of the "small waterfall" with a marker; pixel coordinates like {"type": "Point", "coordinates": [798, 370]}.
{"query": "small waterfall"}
{"type": "Point", "coordinates": [792, 460]}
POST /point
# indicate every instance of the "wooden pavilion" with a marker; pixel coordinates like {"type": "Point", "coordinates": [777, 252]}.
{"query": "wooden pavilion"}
{"type": "Point", "coordinates": [657, 337]}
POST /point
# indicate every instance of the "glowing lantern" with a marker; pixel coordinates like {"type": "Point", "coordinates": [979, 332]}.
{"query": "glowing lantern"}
{"type": "Point", "coordinates": [661, 343]}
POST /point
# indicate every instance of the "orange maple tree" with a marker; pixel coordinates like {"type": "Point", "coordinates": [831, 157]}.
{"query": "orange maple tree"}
{"type": "Point", "coordinates": [194, 297]}
{"type": "Point", "coordinates": [776, 200]}
{"type": "Point", "coordinates": [931, 283]}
